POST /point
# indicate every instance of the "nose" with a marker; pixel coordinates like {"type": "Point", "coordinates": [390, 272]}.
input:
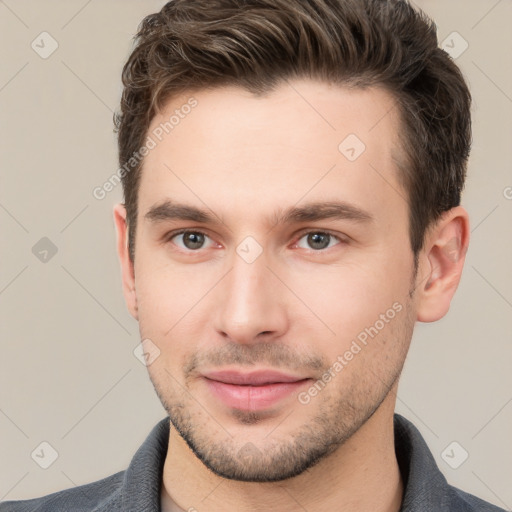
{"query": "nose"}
{"type": "Point", "coordinates": [250, 305]}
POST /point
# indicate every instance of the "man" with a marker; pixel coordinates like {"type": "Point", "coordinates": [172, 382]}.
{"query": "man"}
{"type": "Point", "coordinates": [292, 175]}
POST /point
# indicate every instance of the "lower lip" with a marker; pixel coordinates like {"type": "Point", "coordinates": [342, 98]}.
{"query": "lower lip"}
{"type": "Point", "coordinates": [253, 398]}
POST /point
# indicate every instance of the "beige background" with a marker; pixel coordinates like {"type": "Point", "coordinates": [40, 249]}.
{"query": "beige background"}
{"type": "Point", "coordinates": [68, 375]}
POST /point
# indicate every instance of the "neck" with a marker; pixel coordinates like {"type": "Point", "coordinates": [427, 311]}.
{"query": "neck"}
{"type": "Point", "coordinates": [361, 475]}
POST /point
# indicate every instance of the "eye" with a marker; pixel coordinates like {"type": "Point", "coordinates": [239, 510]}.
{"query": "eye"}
{"type": "Point", "coordinates": [318, 240]}
{"type": "Point", "coordinates": [189, 240]}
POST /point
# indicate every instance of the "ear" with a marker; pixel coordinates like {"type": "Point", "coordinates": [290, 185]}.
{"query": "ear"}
{"type": "Point", "coordinates": [440, 264]}
{"type": "Point", "coordinates": [127, 270]}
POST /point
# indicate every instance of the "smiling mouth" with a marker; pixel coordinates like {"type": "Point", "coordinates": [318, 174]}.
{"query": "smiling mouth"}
{"type": "Point", "coordinates": [254, 378]}
{"type": "Point", "coordinates": [253, 391]}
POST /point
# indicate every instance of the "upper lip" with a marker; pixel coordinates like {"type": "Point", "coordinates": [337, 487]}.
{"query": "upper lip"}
{"type": "Point", "coordinates": [255, 378]}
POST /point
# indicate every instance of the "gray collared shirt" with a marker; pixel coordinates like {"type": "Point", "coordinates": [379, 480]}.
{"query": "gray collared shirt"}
{"type": "Point", "coordinates": [137, 489]}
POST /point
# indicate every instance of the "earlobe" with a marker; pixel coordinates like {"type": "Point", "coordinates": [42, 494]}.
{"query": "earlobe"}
{"type": "Point", "coordinates": [127, 268]}
{"type": "Point", "coordinates": [442, 261]}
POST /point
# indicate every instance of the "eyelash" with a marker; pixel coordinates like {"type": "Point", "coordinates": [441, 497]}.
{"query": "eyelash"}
{"type": "Point", "coordinates": [301, 234]}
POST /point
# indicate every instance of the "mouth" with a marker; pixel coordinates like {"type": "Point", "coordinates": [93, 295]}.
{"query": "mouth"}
{"type": "Point", "coordinates": [253, 391]}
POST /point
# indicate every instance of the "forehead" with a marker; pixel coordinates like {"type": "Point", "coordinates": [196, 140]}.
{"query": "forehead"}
{"type": "Point", "coordinates": [229, 149]}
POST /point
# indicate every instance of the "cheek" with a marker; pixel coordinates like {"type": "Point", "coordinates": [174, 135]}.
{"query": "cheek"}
{"type": "Point", "coordinates": [350, 297]}
{"type": "Point", "coordinates": [165, 294]}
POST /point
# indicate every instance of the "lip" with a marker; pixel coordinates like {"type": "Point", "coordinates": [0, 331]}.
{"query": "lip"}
{"type": "Point", "coordinates": [255, 378]}
{"type": "Point", "coordinates": [254, 391]}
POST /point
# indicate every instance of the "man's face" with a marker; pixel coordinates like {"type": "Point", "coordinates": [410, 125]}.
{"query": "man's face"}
{"type": "Point", "coordinates": [253, 289]}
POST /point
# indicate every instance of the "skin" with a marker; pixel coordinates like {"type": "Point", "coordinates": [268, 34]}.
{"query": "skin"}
{"type": "Point", "coordinates": [295, 308]}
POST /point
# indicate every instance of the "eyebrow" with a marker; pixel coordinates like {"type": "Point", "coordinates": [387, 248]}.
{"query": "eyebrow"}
{"type": "Point", "coordinates": [311, 212]}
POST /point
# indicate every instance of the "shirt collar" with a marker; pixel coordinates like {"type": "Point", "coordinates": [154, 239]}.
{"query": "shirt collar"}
{"type": "Point", "coordinates": [424, 484]}
{"type": "Point", "coordinates": [143, 479]}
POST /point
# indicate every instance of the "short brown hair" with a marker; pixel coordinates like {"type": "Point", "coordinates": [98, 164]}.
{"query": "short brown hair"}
{"type": "Point", "coordinates": [256, 44]}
